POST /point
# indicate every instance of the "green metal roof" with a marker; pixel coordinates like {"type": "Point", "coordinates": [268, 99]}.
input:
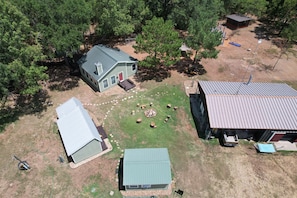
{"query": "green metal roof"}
{"type": "Point", "coordinates": [107, 56]}
{"type": "Point", "coordinates": [146, 166]}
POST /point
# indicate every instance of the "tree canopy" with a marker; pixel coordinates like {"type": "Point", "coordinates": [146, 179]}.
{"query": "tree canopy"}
{"type": "Point", "coordinates": [203, 36]}
{"type": "Point", "coordinates": [19, 49]}
{"type": "Point", "coordinates": [60, 24]}
{"type": "Point", "coordinates": [160, 41]}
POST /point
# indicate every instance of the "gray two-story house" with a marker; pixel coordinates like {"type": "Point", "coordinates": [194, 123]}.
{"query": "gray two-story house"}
{"type": "Point", "coordinates": [104, 67]}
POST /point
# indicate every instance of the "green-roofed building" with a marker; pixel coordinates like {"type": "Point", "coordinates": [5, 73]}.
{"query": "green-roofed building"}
{"type": "Point", "coordinates": [146, 168]}
{"type": "Point", "coordinates": [104, 67]}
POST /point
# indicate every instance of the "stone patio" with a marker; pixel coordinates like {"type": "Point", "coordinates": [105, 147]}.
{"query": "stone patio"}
{"type": "Point", "coordinates": [285, 146]}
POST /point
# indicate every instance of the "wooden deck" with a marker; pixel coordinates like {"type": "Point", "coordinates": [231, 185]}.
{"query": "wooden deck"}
{"type": "Point", "coordinates": [127, 84]}
{"type": "Point", "coordinates": [103, 135]}
{"type": "Point", "coordinates": [101, 132]}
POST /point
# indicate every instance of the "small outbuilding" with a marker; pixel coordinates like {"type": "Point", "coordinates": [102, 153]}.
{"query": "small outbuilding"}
{"type": "Point", "coordinates": [79, 134]}
{"type": "Point", "coordinates": [235, 21]}
{"type": "Point", "coordinates": [104, 67]}
{"type": "Point", "coordinates": [146, 169]}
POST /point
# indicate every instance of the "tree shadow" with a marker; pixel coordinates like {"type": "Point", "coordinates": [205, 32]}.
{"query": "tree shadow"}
{"type": "Point", "coordinates": [266, 30]}
{"type": "Point", "coordinates": [187, 67]}
{"type": "Point", "coordinates": [24, 105]}
{"type": "Point", "coordinates": [61, 76]}
{"type": "Point", "coordinates": [8, 115]}
{"type": "Point", "coordinates": [152, 73]}
{"type": "Point", "coordinates": [33, 104]}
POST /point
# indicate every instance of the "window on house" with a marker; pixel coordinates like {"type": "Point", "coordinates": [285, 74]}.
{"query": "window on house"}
{"type": "Point", "coordinates": [105, 83]}
{"type": "Point", "coordinates": [133, 186]}
{"type": "Point", "coordinates": [146, 186]}
{"type": "Point", "coordinates": [113, 79]}
{"type": "Point", "coordinates": [134, 67]}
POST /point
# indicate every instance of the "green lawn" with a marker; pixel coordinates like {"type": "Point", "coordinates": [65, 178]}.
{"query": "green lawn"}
{"type": "Point", "coordinates": [122, 124]}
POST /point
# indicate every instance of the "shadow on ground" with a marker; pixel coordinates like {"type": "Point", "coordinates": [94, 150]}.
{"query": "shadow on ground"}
{"type": "Point", "coordinates": [61, 76]}
{"type": "Point", "coordinates": [24, 106]}
{"type": "Point", "coordinates": [152, 73]}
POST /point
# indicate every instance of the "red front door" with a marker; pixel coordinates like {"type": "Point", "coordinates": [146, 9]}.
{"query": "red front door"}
{"type": "Point", "coordinates": [121, 78]}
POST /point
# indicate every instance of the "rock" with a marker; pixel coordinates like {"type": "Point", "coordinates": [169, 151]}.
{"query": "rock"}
{"type": "Point", "coordinates": [153, 125]}
{"type": "Point", "coordinates": [139, 120]}
{"type": "Point", "coordinates": [111, 193]}
{"type": "Point", "coordinates": [168, 105]}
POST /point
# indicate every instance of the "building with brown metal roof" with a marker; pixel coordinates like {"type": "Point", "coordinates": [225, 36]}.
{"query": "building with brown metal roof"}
{"type": "Point", "coordinates": [259, 111]}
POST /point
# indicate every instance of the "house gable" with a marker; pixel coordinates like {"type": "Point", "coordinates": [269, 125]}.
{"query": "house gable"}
{"type": "Point", "coordinates": [90, 149]}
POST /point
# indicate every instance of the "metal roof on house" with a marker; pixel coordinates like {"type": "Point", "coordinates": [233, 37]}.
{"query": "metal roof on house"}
{"type": "Point", "coordinates": [76, 126]}
{"type": "Point", "coordinates": [253, 88]}
{"type": "Point", "coordinates": [146, 166]}
{"type": "Point", "coordinates": [68, 107]}
{"type": "Point", "coordinates": [256, 106]}
{"type": "Point", "coordinates": [238, 18]}
{"type": "Point", "coordinates": [108, 57]}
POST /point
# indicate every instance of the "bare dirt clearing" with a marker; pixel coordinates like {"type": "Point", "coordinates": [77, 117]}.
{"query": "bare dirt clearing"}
{"type": "Point", "coordinates": [203, 169]}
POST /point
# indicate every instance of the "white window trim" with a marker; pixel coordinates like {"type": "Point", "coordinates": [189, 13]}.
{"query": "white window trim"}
{"type": "Point", "coordinates": [115, 80]}
{"type": "Point", "coordinates": [106, 83]}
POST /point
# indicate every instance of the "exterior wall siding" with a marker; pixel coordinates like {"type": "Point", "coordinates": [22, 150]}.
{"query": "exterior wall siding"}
{"type": "Point", "coordinates": [91, 149]}
{"type": "Point", "coordinates": [125, 68]}
{"type": "Point", "coordinates": [90, 82]}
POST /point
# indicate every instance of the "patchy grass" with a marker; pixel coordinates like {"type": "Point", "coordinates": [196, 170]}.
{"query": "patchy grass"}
{"type": "Point", "coordinates": [272, 51]}
{"type": "Point", "coordinates": [98, 187]}
{"type": "Point", "coordinates": [221, 69]}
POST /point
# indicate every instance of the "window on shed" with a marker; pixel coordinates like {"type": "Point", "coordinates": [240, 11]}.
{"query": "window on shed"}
{"type": "Point", "coordinates": [113, 79]}
{"type": "Point", "coordinates": [105, 83]}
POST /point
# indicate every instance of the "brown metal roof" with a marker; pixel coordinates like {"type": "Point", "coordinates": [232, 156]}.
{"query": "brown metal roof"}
{"type": "Point", "coordinates": [253, 106]}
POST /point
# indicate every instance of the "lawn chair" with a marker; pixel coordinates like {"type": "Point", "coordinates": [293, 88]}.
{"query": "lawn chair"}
{"type": "Point", "coordinates": [179, 192]}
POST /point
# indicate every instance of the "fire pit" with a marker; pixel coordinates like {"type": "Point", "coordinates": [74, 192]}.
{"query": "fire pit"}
{"type": "Point", "coordinates": [150, 113]}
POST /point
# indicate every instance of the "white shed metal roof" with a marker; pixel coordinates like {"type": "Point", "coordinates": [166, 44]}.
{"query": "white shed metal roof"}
{"type": "Point", "coordinates": [256, 106]}
{"type": "Point", "coordinates": [76, 126]}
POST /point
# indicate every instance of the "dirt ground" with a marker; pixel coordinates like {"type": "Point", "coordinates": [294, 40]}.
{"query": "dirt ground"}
{"type": "Point", "coordinates": [208, 171]}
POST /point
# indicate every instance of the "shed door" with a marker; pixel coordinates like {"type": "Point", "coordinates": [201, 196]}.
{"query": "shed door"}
{"type": "Point", "coordinates": [277, 137]}
{"type": "Point", "coordinates": [121, 78]}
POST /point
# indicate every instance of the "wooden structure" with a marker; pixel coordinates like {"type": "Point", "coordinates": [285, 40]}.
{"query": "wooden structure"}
{"type": "Point", "coordinates": [235, 21]}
